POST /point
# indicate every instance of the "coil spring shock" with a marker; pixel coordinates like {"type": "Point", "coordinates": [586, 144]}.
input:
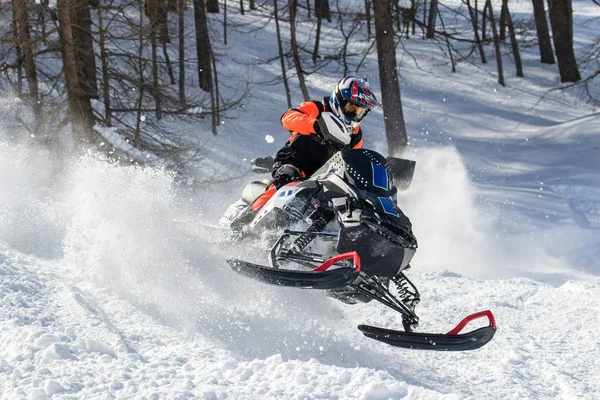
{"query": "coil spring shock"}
{"type": "Point", "coordinates": [320, 218]}
{"type": "Point", "coordinates": [407, 292]}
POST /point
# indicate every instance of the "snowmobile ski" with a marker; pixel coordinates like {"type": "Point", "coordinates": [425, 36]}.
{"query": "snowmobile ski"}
{"type": "Point", "coordinates": [316, 279]}
{"type": "Point", "coordinates": [451, 341]}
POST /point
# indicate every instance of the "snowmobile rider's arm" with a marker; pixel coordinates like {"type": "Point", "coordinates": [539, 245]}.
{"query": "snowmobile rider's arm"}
{"type": "Point", "coordinates": [303, 120]}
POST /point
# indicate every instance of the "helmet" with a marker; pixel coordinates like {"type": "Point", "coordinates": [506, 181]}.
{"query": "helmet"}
{"type": "Point", "coordinates": [351, 100]}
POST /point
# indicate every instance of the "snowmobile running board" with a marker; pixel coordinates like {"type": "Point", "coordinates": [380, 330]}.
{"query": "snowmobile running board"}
{"type": "Point", "coordinates": [451, 341]}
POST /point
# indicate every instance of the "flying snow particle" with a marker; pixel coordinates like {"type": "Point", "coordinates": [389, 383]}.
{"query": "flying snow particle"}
{"type": "Point", "coordinates": [269, 139]}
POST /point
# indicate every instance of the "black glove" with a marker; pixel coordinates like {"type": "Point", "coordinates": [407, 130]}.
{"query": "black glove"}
{"type": "Point", "coordinates": [285, 174]}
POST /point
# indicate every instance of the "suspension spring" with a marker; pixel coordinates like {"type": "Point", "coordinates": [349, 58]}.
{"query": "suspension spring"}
{"type": "Point", "coordinates": [320, 218]}
{"type": "Point", "coordinates": [407, 292]}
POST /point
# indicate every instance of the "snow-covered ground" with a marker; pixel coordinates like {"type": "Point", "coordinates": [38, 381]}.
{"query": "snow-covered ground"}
{"type": "Point", "coordinates": [111, 287]}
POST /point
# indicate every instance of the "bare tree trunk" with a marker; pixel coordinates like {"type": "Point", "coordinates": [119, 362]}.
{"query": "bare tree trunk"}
{"type": "Point", "coordinates": [318, 34]}
{"type": "Point", "coordinates": [242, 11]}
{"type": "Point", "coordinates": [414, 6]}
{"type": "Point", "coordinates": [18, 52]}
{"type": "Point", "coordinates": [424, 17]}
{"type": "Point", "coordinates": [398, 15]}
{"type": "Point", "coordinates": [496, 43]}
{"type": "Point", "coordinates": [181, 34]}
{"type": "Point", "coordinates": [84, 45]}
{"type": "Point", "coordinates": [80, 107]}
{"type": "Point", "coordinates": [212, 6]}
{"type": "Point", "coordinates": [225, 21]}
{"type": "Point", "coordinates": [433, 9]}
{"type": "Point", "coordinates": [205, 59]}
{"type": "Point", "coordinates": [22, 16]}
{"type": "Point", "coordinates": [473, 14]}
{"type": "Point", "coordinates": [448, 45]}
{"type": "Point", "coordinates": [395, 127]}
{"type": "Point", "coordinates": [214, 97]}
{"type": "Point", "coordinates": [168, 62]}
{"type": "Point", "coordinates": [155, 84]}
{"type": "Point", "coordinates": [292, 4]}
{"type": "Point", "coordinates": [543, 32]}
{"type": "Point", "coordinates": [484, 18]}
{"type": "Point", "coordinates": [368, 17]}
{"type": "Point", "coordinates": [252, 5]}
{"type": "Point", "coordinates": [322, 9]}
{"type": "Point", "coordinates": [503, 16]}
{"type": "Point", "coordinates": [513, 41]}
{"type": "Point", "coordinates": [202, 46]}
{"type": "Point", "coordinates": [561, 20]}
{"type": "Point", "coordinates": [282, 55]}
{"type": "Point", "coordinates": [104, 62]}
{"type": "Point", "coordinates": [142, 79]}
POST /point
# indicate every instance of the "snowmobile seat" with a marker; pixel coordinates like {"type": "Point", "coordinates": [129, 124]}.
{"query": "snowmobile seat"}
{"type": "Point", "coordinates": [253, 191]}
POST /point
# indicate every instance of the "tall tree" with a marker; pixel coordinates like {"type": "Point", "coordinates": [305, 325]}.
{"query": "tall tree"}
{"type": "Point", "coordinates": [473, 15]}
{"type": "Point", "coordinates": [181, 48]}
{"type": "Point", "coordinates": [105, 69]}
{"type": "Point", "coordinates": [433, 9]}
{"type": "Point", "coordinates": [84, 46]}
{"type": "Point", "coordinates": [21, 12]}
{"type": "Point", "coordinates": [212, 6]}
{"type": "Point", "coordinates": [202, 46]}
{"type": "Point", "coordinates": [322, 9]}
{"type": "Point", "coordinates": [513, 39]}
{"type": "Point", "coordinates": [293, 7]}
{"type": "Point", "coordinates": [561, 20]}
{"type": "Point", "coordinates": [77, 81]}
{"type": "Point", "coordinates": [543, 33]}
{"type": "Point", "coordinates": [496, 42]}
{"type": "Point", "coordinates": [286, 85]}
{"type": "Point", "coordinates": [319, 13]}
{"type": "Point", "coordinates": [18, 51]}
{"type": "Point", "coordinates": [395, 127]}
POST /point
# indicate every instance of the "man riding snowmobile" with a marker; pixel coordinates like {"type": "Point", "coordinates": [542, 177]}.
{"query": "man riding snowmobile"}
{"type": "Point", "coordinates": [311, 144]}
{"type": "Point", "coordinates": [331, 221]}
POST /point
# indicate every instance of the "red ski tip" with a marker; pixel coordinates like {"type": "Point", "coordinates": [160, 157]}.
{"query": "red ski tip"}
{"type": "Point", "coordinates": [345, 256]}
{"type": "Point", "coordinates": [467, 319]}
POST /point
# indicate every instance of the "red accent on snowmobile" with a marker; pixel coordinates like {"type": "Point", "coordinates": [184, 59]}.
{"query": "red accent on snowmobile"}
{"type": "Point", "coordinates": [266, 196]}
{"type": "Point", "coordinates": [345, 256]}
{"type": "Point", "coordinates": [262, 200]}
{"type": "Point", "coordinates": [469, 318]}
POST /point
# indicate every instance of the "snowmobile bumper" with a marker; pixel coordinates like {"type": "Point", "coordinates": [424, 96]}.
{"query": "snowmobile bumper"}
{"type": "Point", "coordinates": [451, 341]}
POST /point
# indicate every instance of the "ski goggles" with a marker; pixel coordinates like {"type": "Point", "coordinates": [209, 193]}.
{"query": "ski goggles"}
{"type": "Point", "coordinates": [354, 111]}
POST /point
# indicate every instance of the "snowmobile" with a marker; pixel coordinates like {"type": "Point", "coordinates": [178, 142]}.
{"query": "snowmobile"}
{"type": "Point", "coordinates": [341, 231]}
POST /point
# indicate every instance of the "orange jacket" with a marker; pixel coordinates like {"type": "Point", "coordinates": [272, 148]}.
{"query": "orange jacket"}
{"type": "Point", "coordinates": [301, 120]}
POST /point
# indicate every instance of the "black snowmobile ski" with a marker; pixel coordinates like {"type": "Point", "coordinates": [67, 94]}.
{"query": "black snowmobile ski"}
{"type": "Point", "coordinates": [451, 341]}
{"type": "Point", "coordinates": [322, 277]}
{"type": "Point", "coordinates": [330, 279]}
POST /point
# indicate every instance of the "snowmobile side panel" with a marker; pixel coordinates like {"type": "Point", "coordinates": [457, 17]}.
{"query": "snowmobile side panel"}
{"type": "Point", "coordinates": [329, 279]}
